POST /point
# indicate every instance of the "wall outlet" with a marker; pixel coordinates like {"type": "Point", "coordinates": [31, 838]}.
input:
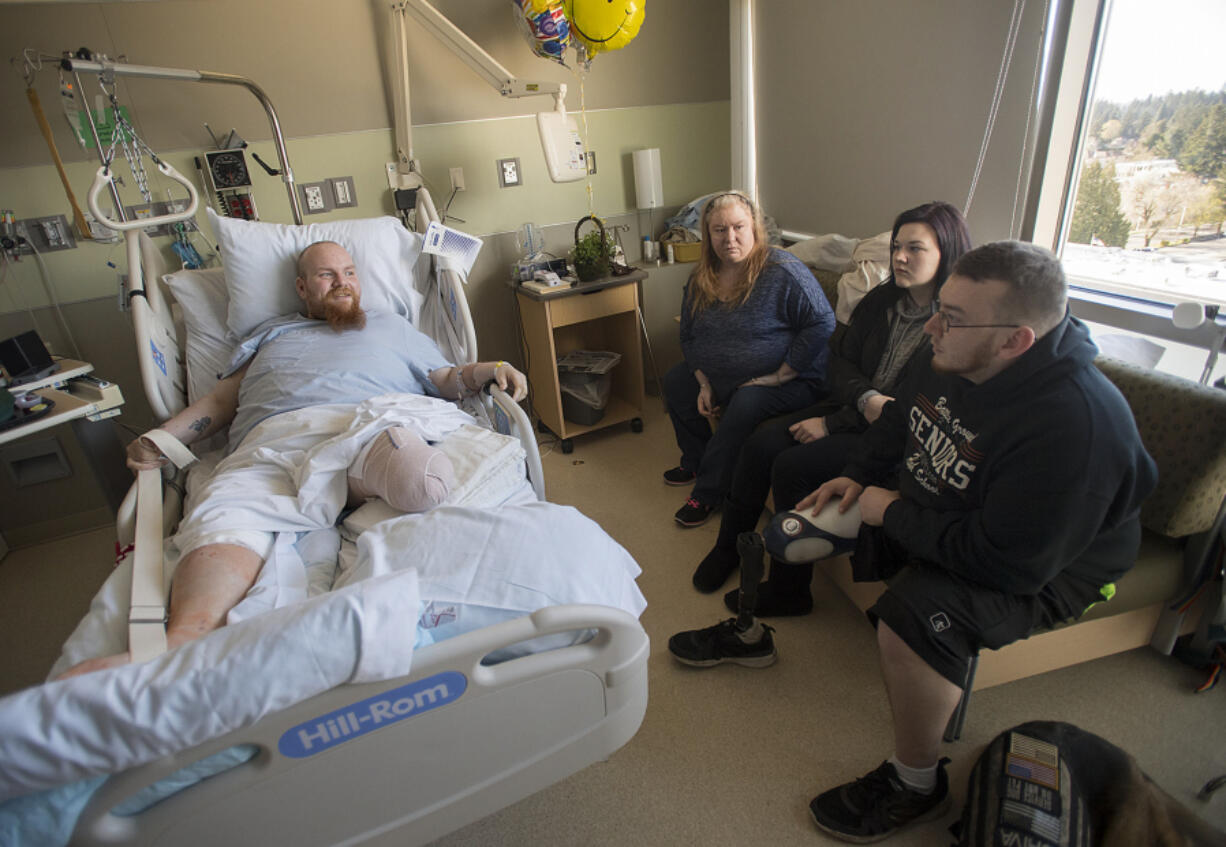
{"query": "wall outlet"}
{"type": "Point", "coordinates": [509, 173]}
{"type": "Point", "coordinates": [316, 197]}
{"type": "Point", "coordinates": [457, 179]}
{"type": "Point", "coordinates": [591, 161]}
{"type": "Point", "coordinates": [343, 191]}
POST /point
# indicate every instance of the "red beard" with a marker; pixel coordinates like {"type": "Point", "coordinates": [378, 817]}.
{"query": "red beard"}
{"type": "Point", "coordinates": [343, 314]}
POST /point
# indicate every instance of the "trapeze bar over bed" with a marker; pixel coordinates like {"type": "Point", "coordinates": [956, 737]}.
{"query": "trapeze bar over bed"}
{"type": "Point", "coordinates": [440, 666]}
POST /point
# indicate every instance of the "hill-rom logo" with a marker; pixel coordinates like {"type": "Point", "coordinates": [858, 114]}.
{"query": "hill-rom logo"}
{"type": "Point", "coordinates": [349, 722]}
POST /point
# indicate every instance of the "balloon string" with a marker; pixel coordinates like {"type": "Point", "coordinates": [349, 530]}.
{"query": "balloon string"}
{"type": "Point", "coordinates": [591, 204]}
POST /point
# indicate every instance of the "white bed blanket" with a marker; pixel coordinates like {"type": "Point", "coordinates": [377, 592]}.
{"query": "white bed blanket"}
{"type": "Point", "coordinates": [110, 720]}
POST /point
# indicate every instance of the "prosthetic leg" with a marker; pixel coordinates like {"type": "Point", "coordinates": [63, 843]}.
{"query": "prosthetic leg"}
{"type": "Point", "coordinates": [795, 540]}
{"type": "Point", "coordinates": [751, 549]}
{"type": "Point", "coordinates": [743, 640]}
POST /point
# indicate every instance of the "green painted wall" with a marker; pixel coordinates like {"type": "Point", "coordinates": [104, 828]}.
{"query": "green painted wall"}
{"type": "Point", "coordinates": [693, 140]}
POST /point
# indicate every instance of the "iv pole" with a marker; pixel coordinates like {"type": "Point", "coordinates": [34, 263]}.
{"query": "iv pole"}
{"type": "Point", "coordinates": [108, 70]}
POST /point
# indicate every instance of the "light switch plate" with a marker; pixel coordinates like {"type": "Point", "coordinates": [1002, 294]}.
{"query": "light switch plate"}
{"type": "Point", "coordinates": [343, 191]}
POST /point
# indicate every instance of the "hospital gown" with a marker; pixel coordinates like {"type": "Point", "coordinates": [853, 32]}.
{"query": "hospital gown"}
{"type": "Point", "coordinates": [298, 362]}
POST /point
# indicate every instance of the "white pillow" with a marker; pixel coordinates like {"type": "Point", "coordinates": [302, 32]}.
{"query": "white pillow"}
{"type": "Point", "coordinates": [202, 296]}
{"type": "Point", "coordinates": [259, 265]}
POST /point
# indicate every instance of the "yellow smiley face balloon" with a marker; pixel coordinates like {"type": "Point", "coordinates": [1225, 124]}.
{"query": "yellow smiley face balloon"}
{"type": "Point", "coordinates": [602, 25]}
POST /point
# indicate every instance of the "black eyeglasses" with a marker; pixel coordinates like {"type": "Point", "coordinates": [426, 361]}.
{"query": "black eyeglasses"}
{"type": "Point", "coordinates": [947, 324]}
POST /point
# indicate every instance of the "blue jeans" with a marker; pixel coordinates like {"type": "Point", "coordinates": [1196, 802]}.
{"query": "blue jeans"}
{"type": "Point", "coordinates": [712, 456]}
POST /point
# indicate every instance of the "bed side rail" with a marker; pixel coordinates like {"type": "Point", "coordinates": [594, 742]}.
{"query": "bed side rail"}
{"type": "Point", "coordinates": [510, 419]}
{"type": "Point", "coordinates": [157, 346]}
{"type": "Point", "coordinates": [522, 725]}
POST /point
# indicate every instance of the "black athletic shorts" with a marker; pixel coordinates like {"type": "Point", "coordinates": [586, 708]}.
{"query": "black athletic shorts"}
{"type": "Point", "coordinates": [946, 619]}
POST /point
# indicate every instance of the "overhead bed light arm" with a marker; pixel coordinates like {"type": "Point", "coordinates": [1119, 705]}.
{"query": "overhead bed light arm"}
{"type": "Point", "coordinates": [486, 66]}
{"type": "Point", "coordinates": [482, 63]}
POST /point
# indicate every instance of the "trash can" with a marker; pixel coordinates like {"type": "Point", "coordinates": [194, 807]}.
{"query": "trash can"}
{"type": "Point", "coordinates": [586, 380]}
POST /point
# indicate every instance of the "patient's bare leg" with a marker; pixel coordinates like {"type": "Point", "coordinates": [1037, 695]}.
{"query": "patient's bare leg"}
{"type": "Point", "coordinates": [208, 583]}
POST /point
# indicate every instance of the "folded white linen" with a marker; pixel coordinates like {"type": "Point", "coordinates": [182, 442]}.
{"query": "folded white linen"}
{"type": "Point", "coordinates": [488, 466]}
{"type": "Point", "coordinates": [517, 558]}
{"type": "Point", "coordinates": [111, 720]}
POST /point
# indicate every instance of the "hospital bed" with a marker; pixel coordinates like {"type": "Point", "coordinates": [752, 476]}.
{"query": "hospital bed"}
{"type": "Point", "coordinates": [390, 745]}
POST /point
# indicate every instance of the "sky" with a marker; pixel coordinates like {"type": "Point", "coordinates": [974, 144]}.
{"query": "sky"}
{"type": "Point", "coordinates": [1160, 46]}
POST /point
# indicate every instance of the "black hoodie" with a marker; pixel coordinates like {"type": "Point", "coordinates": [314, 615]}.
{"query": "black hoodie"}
{"type": "Point", "coordinates": [1033, 478]}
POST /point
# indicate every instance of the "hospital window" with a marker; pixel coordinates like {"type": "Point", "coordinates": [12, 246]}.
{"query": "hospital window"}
{"type": "Point", "coordinates": [1137, 209]}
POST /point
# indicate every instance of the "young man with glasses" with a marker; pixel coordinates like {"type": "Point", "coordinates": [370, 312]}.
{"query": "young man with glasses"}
{"type": "Point", "coordinates": [999, 493]}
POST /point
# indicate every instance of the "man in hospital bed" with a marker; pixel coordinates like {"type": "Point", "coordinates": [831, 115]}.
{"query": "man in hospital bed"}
{"type": "Point", "coordinates": [335, 353]}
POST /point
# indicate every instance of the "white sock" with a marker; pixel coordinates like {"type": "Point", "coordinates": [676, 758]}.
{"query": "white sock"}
{"type": "Point", "coordinates": [922, 780]}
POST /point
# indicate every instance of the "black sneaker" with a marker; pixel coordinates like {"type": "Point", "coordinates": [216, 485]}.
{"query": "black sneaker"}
{"type": "Point", "coordinates": [679, 476]}
{"type": "Point", "coordinates": [693, 513]}
{"type": "Point", "coordinates": [878, 805]}
{"type": "Point", "coordinates": [705, 648]}
{"type": "Point", "coordinates": [771, 606]}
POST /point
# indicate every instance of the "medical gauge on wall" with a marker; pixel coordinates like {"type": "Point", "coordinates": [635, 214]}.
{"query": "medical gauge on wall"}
{"type": "Point", "coordinates": [229, 169]}
{"type": "Point", "coordinates": [229, 180]}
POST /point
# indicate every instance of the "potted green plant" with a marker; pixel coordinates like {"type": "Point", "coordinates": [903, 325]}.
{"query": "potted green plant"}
{"type": "Point", "coordinates": [592, 253]}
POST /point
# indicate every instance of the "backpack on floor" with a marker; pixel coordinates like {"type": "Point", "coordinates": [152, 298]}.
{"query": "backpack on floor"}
{"type": "Point", "coordinates": [1051, 784]}
{"type": "Point", "coordinates": [1021, 792]}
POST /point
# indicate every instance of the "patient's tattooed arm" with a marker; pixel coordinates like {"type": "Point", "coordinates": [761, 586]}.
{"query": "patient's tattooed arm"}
{"type": "Point", "coordinates": [199, 420]}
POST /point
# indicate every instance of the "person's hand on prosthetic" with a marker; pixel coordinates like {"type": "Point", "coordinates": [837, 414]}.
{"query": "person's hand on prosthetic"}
{"type": "Point", "coordinates": [873, 499]}
{"type": "Point", "coordinates": [809, 430]}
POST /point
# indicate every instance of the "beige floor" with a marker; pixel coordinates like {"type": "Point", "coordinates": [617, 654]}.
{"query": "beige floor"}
{"type": "Point", "coordinates": [728, 755]}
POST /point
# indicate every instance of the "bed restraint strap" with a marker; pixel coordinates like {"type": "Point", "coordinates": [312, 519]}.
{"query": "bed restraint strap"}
{"type": "Point", "coordinates": [147, 613]}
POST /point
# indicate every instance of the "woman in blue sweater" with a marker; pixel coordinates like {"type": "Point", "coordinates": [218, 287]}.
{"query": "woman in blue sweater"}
{"type": "Point", "coordinates": [754, 332]}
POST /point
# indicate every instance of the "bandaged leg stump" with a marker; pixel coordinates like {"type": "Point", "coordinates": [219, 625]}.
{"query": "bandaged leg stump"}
{"type": "Point", "coordinates": [400, 468]}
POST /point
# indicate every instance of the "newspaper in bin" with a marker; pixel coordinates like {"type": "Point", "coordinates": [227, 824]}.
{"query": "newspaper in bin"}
{"type": "Point", "coordinates": [584, 375]}
{"type": "Point", "coordinates": [588, 361]}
